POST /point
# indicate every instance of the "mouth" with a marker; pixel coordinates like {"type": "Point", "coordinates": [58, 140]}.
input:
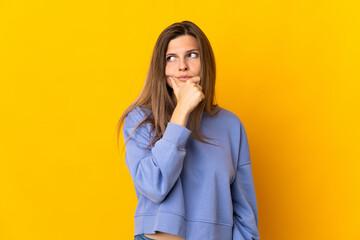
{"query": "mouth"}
{"type": "Point", "coordinates": [183, 79]}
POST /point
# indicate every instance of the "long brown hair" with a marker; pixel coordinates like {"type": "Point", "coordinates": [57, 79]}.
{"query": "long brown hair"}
{"type": "Point", "coordinates": [157, 96]}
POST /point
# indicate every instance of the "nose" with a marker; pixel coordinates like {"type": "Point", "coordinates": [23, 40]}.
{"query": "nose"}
{"type": "Point", "coordinates": [183, 65]}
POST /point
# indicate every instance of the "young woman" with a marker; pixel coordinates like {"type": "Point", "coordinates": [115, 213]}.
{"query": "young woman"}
{"type": "Point", "coordinates": [187, 187]}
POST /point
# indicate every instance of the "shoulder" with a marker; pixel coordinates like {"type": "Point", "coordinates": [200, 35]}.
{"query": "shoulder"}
{"type": "Point", "coordinates": [135, 116]}
{"type": "Point", "coordinates": [229, 118]}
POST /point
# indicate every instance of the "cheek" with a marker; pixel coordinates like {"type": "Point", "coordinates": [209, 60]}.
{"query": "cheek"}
{"type": "Point", "coordinates": [197, 67]}
{"type": "Point", "coordinates": [168, 69]}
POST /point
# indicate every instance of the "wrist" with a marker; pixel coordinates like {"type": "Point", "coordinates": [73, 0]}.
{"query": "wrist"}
{"type": "Point", "coordinates": [181, 110]}
{"type": "Point", "coordinates": [179, 116]}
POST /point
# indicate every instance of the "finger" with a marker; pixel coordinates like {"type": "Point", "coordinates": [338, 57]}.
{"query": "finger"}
{"type": "Point", "coordinates": [195, 79]}
{"type": "Point", "coordinates": [198, 86]}
{"type": "Point", "coordinates": [174, 83]}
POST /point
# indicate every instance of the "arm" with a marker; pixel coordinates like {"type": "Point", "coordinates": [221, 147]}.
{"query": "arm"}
{"type": "Point", "coordinates": [243, 195]}
{"type": "Point", "coordinates": [155, 171]}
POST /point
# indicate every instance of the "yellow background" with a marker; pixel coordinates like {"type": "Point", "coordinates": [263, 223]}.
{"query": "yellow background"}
{"type": "Point", "coordinates": [288, 69]}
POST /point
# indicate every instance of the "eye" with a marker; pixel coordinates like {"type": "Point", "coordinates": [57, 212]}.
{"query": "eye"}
{"type": "Point", "coordinates": [193, 53]}
{"type": "Point", "coordinates": [168, 58]}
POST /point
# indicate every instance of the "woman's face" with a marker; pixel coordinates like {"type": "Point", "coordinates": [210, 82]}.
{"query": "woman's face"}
{"type": "Point", "coordinates": [182, 59]}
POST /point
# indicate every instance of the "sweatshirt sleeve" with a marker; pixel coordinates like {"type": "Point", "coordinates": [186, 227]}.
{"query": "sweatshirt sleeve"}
{"type": "Point", "coordinates": [155, 171]}
{"type": "Point", "coordinates": [243, 195]}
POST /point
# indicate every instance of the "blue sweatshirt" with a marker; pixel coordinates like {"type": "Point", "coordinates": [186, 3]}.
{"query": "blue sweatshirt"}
{"type": "Point", "coordinates": [189, 188]}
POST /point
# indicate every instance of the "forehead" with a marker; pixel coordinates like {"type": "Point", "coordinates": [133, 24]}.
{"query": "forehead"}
{"type": "Point", "coordinates": [182, 43]}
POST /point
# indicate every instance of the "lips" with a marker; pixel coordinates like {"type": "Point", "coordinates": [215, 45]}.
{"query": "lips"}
{"type": "Point", "coordinates": [184, 78]}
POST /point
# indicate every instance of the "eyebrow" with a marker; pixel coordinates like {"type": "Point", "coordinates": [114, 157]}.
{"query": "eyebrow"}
{"type": "Point", "coordinates": [195, 49]}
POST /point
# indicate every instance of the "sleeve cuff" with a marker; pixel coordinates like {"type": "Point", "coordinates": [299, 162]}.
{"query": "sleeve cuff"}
{"type": "Point", "coordinates": [176, 134]}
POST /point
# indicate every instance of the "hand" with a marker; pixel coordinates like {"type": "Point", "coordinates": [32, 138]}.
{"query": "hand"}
{"type": "Point", "coordinates": [189, 94]}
